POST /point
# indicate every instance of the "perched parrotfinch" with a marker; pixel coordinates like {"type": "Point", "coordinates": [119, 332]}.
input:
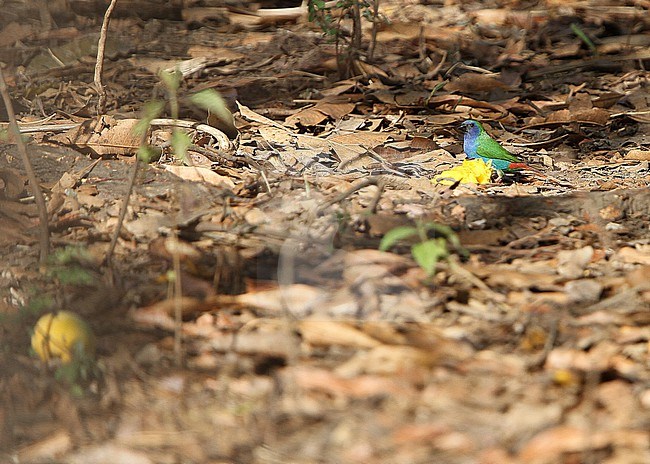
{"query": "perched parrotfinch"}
{"type": "Point", "coordinates": [478, 144]}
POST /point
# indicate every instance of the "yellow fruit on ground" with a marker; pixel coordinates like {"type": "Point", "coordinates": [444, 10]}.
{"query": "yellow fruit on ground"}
{"type": "Point", "coordinates": [62, 335]}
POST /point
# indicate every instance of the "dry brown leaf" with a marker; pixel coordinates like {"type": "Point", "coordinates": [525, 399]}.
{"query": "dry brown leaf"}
{"type": "Point", "coordinates": [200, 174]}
{"type": "Point", "coordinates": [339, 88]}
{"type": "Point", "coordinates": [199, 15]}
{"type": "Point", "coordinates": [641, 155]}
{"type": "Point", "coordinates": [15, 222]}
{"type": "Point", "coordinates": [159, 314]}
{"type": "Point", "coordinates": [14, 32]}
{"type": "Point", "coordinates": [214, 54]}
{"type": "Point", "coordinates": [520, 280]}
{"type": "Point", "coordinates": [104, 135]}
{"type": "Point", "coordinates": [599, 359]}
{"type": "Point", "coordinates": [327, 333]}
{"type": "Point", "coordinates": [47, 448]}
{"type": "Point", "coordinates": [114, 453]}
{"type": "Point", "coordinates": [365, 386]}
{"type": "Point", "coordinates": [572, 263]}
{"type": "Point", "coordinates": [548, 446]}
{"type": "Point", "coordinates": [387, 360]}
{"type": "Point", "coordinates": [298, 299]}
{"type": "Point", "coordinates": [318, 113]}
{"type": "Point", "coordinates": [13, 183]}
{"type": "Point", "coordinates": [363, 138]}
{"type": "Point", "coordinates": [414, 433]}
{"type": "Point", "coordinates": [276, 136]}
{"type": "Point", "coordinates": [639, 277]}
{"type": "Point", "coordinates": [633, 255]}
{"type": "Point", "coordinates": [472, 83]}
{"type": "Point", "coordinates": [251, 115]}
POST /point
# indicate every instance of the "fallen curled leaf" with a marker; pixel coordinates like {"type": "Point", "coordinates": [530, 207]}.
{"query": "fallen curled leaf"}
{"type": "Point", "coordinates": [549, 445]}
{"type": "Point", "coordinates": [364, 386]}
{"type": "Point", "coordinates": [12, 183]}
{"type": "Point", "coordinates": [640, 155]}
{"type": "Point", "coordinates": [633, 256]}
{"type": "Point", "coordinates": [326, 333]}
{"type": "Point", "coordinates": [200, 174]}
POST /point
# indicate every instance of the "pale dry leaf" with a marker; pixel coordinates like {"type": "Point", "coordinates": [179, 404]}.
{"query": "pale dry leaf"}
{"type": "Point", "coordinates": [387, 360]}
{"type": "Point", "coordinates": [109, 452]}
{"type": "Point", "coordinates": [364, 386]}
{"type": "Point", "coordinates": [14, 183]}
{"type": "Point", "coordinates": [276, 136]}
{"type": "Point", "coordinates": [47, 448]}
{"type": "Point", "coordinates": [598, 359]}
{"type": "Point", "coordinates": [327, 333]}
{"type": "Point", "coordinates": [318, 113]}
{"type": "Point", "coordinates": [160, 314]}
{"type": "Point", "coordinates": [583, 291]}
{"type": "Point", "coordinates": [425, 432]}
{"type": "Point", "coordinates": [251, 115]}
{"type": "Point", "coordinates": [298, 299]}
{"type": "Point", "coordinates": [475, 82]}
{"type": "Point", "coordinates": [104, 135]}
{"type": "Point", "coordinates": [636, 154]}
{"type": "Point", "coordinates": [214, 54]}
{"type": "Point", "coordinates": [365, 138]}
{"type": "Point", "coordinates": [200, 174]}
{"type": "Point", "coordinates": [633, 256]}
{"type": "Point", "coordinates": [14, 32]}
{"type": "Point", "coordinates": [548, 446]}
{"type": "Point", "coordinates": [307, 117]}
{"type": "Point", "coordinates": [147, 224]}
{"type": "Point", "coordinates": [572, 263]}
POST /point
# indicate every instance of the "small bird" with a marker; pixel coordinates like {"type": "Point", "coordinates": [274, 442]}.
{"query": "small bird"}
{"type": "Point", "coordinates": [478, 144]}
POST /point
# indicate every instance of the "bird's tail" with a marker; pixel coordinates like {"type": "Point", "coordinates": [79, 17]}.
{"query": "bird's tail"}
{"type": "Point", "coordinates": [520, 166]}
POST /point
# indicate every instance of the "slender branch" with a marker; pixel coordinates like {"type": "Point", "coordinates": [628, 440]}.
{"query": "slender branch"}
{"type": "Point", "coordinates": [31, 175]}
{"type": "Point", "coordinates": [125, 205]}
{"type": "Point", "coordinates": [99, 64]}
{"type": "Point", "coordinates": [373, 37]}
{"type": "Point", "coordinates": [358, 185]}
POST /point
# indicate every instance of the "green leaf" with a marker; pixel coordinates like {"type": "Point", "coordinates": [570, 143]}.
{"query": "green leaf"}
{"type": "Point", "coordinates": [427, 254]}
{"type": "Point", "coordinates": [171, 79]}
{"type": "Point", "coordinates": [450, 235]}
{"type": "Point", "coordinates": [580, 33]}
{"type": "Point", "coordinates": [72, 275]}
{"type": "Point", "coordinates": [151, 111]}
{"type": "Point", "coordinates": [212, 101]}
{"type": "Point", "coordinates": [180, 143]}
{"type": "Point", "coordinates": [395, 235]}
{"type": "Point", "coordinates": [146, 153]}
{"type": "Point", "coordinates": [70, 254]}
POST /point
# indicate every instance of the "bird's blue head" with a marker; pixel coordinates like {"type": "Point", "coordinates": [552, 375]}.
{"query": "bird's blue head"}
{"type": "Point", "coordinates": [472, 131]}
{"type": "Point", "coordinates": [471, 128]}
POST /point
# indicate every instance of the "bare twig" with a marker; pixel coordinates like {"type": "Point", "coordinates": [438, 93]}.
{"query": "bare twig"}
{"type": "Point", "coordinates": [373, 36]}
{"type": "Point", "coordinates": [178, 303]}
{"type": "Point", "coordinates": [99, 64]}
{"type": "Point", "coordinates": [125, 205]}
{"type": "Point", "coordinates": [358, 185]}
{"type": "Point", "coordinates": [31, 175]}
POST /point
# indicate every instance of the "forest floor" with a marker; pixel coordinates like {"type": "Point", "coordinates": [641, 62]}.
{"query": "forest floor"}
{"type": "Point", "coordinates": [511, 327]}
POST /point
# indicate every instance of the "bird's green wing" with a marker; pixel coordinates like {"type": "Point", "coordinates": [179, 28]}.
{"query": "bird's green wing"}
{"type": "Point", "coordinates": [490, 148]}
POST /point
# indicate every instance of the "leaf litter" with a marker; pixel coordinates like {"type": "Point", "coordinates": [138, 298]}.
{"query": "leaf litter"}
{"type": "Point", "coordinates": [300, 341]}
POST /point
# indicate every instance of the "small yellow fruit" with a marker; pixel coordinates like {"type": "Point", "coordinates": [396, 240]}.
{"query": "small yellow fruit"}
{"type": "Point", "coordinates": [62, 335]}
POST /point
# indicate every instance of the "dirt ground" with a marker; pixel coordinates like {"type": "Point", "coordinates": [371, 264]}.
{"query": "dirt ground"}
{"type": "Point", "coordinates": [247, 314]}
